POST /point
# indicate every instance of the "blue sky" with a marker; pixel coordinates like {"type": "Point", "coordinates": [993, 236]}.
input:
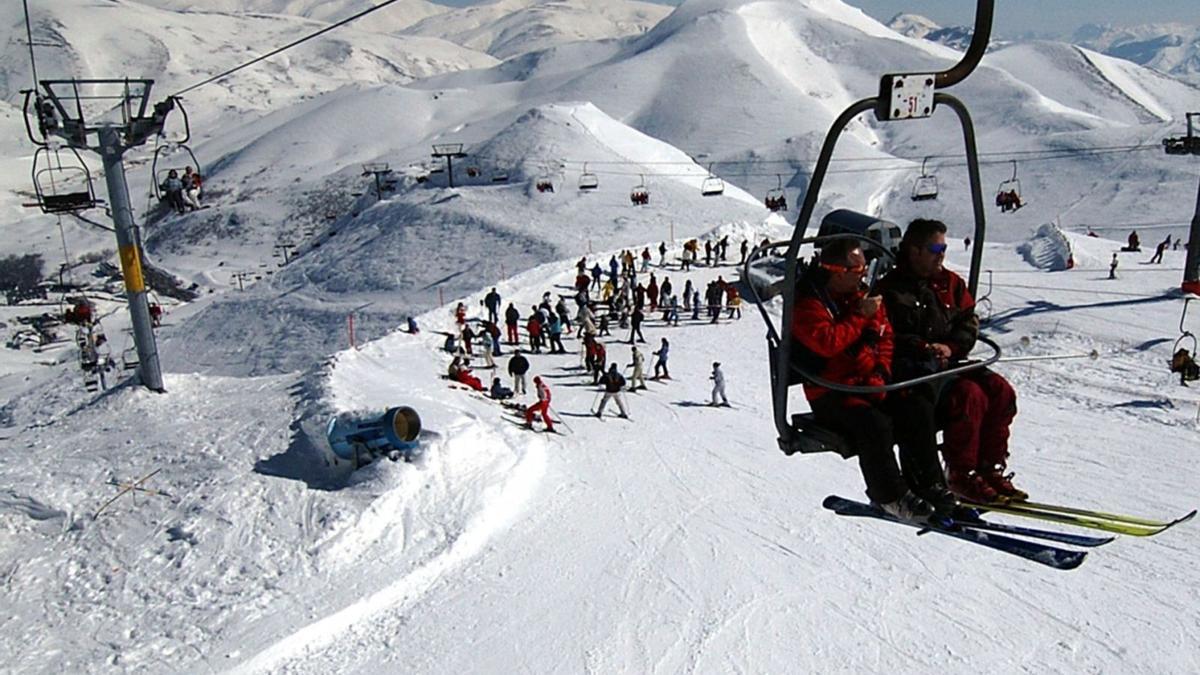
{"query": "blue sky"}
{"type": "Point", "coordinates": [1021, 16]}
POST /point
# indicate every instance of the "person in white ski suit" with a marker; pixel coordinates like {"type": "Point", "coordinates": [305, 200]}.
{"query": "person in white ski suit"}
{"type": "Point", "coordinates": [718, 379]}
{"type": "Point", "coordinates": [486, 346]}
{"type": "Point", "coordinates": [639, 371]}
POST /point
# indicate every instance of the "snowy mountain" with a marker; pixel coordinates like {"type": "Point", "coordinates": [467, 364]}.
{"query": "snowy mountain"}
{"type": "Point", "coordinates": [922, 28]}
{"type": "Point", "coordinates": [506, 28]}
{"type": "Point", "coordinates": [1169, 48]}
{"type": "Point", "coordinates": [396, 17]}
{"type": "Point", "coordinates": [683, 541]}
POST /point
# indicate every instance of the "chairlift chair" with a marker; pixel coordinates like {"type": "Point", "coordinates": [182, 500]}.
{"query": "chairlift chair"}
{"type": "Point", "coordinates": [500, 177]}
{"type": "Point", "coordinates": [775, 199]}
{"type": "Point", "coordinates": [1008, 195]}
{"type": "Point", "coordinates": [712, 185]}
{"type": "Point", "coordinates": [902, 96]}
{"type": "Point", "coordinates": [1183, 353]}
{"type": "Point", "coordinates": [926, 186]}
{"type": "Point", "coordinates": [588, 181]}
{"type": "Point", "coordinates": [62, 186]}
{"type": "Point", "coordinates": [639, 195]}
{"type": "Point", "coordinates": [167, 158]}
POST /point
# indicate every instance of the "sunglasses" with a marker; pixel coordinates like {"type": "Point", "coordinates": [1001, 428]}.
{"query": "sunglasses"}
{"type": "Point", "coordinates": [844, 269]}
{"type": "Point", "coordinates": [936, 249]}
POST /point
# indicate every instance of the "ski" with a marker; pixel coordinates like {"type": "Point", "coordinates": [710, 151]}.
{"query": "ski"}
{"type": "Point", "coordinates": [1101, 515]}
{"type": "Point", "coordinates": [1078, 521]}
{"type": "Point", "coordinates": [1034, 533]}
{"type": "Point", "coordinates": [1044, 554]}
{"type": "Point", "coordinates": [526, 427]}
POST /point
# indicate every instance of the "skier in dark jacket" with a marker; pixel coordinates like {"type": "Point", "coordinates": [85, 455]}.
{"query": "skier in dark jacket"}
{"type": "Point", "coordinates": [492, 302]}
{"type": "Point", "coordinates": [635, 325]}
{"type": "Point", "coordinates": [518, 365]}
{"type": "Point", "coordinates": [936, 327]}
{"type": "Point", "coordinates": [512, 319]}
{"type": "Point", "coordinates": [613, 383]}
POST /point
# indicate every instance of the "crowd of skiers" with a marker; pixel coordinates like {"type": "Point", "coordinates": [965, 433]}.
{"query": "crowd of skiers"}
{"type": "Point", "coordinates": [621, 296]}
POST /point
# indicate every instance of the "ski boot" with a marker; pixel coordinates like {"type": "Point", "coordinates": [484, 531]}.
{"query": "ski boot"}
{"type": "Point", "coordinates": [1002, 484]}
{"type": "Point", "coordinates": [910, 508]}
{"type": "Point", "coordinates": [972, 487]}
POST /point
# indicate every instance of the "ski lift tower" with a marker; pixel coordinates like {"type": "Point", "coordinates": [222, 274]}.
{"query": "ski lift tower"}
{"type": "Point", "coordinates": [110, 116]}
{"type": "Point", "coordinates": [1189, 145]}
{"type": "Point", "coordinates": [450, 151]}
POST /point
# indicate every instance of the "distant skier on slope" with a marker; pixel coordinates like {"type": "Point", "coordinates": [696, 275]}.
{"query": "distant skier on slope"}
{"type": "Point", "coordinates": [613, 382]}
{"type": "Point", "coordinates": [660, 365]}
{"type": "Point", "coordinates": [718, 379]}
{"type": "Point", "coordinates": [518, 365]}
{"type": "Point", "coordinates": [542, 406]}
{"type": "Point", "coordinates": [639, 371]}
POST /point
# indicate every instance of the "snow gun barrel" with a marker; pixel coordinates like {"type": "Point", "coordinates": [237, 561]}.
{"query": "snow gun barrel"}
{"type": "Point", "coordinates": [395, 430]}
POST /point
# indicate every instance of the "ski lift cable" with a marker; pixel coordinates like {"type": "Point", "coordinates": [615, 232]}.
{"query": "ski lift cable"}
{"type": "Point", "coordinates": [286, 47]}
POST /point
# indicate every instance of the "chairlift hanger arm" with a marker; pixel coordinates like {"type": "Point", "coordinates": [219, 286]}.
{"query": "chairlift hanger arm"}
{"type": "Point", "coordinates": [910, 95]}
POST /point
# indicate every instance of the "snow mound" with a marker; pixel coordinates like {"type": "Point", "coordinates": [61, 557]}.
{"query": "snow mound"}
{"type": "Point", "coordinates": [1049, 249]}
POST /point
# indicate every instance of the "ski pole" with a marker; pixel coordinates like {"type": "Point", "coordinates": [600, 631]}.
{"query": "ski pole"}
{"type": "Point", "coordinates": [1093, 355]}
{"type": "Point", "coordinates": [561, 420]}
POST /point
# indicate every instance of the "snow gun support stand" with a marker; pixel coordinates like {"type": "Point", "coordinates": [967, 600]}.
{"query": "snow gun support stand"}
{"type": "Point", "coordinates": [902, 96]}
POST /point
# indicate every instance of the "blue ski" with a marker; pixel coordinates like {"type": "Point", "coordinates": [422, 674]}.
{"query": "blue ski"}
{"type": "Point", "coordinates": [1058, 558]}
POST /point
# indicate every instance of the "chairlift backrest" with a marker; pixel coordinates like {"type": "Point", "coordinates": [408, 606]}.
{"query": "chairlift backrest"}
{"type": "Point", "coordinates": [844, 221]}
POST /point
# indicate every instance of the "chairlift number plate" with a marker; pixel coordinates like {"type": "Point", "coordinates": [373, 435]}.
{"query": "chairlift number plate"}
{"type": "Point", "coordinates": [909, 96]}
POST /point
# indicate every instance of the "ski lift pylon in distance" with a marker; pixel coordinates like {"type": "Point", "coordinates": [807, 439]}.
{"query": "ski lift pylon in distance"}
{"type": "Point", "coordinates": [588, 180]}
{"type": "Point", "coordinates": [926, 186]}
{"type": "Point", "coordinates": [775, 199]}
{"type": "Point", "coordinates": [1008, 195]}
{"type": "Point", "coordinates": [712, 185]}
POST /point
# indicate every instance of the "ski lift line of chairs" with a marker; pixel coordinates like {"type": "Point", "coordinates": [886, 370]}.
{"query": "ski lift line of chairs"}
{"type": "Point", "coordinates": [712, 185]}
{"type": "Point", "coordinates": [587, 180]}
{"type": "Point", "coordinates": [901, 97]}
{"type": "Point", "coordinates": [926, 186]}
{"type": "Point", "coordinates": [640, 195]}
{"type": "Point", "coordinates": [1008, 195]}
{"type": "Point", "coordinates": [775, 199]}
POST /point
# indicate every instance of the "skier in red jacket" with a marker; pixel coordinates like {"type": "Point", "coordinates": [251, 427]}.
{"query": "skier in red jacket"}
{"type": "Point", "coordinates": [847, 332]}
{"type": "Point", "coordinates": [542, 406]}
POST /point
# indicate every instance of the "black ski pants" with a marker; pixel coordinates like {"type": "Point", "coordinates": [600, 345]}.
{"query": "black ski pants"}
{"type": "Point", "coordinates": [868, 427]}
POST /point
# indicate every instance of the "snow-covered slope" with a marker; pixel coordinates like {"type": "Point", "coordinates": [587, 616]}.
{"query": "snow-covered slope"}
{"type": "Point", "coordinates": [395, 17]}
{"type": "Point", "coordinates": [681, 542]}
{"type": "Point", "coordinates": [103, 40]}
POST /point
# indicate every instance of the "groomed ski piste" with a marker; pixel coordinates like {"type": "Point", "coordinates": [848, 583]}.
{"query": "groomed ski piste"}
{"type": "Point", "coordinates": [679, 541]}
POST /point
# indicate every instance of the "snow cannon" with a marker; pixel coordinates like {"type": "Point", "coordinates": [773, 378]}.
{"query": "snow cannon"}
{"type": "Point", "coordinates": [360, 439]}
